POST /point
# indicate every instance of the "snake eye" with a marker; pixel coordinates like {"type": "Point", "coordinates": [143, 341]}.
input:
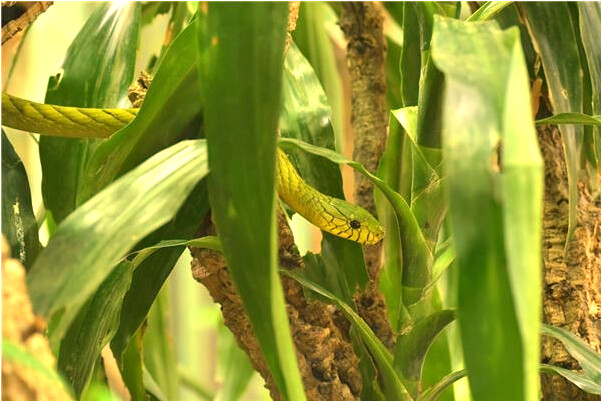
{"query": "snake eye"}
{"type": "Point", "coordinates": [355, 224]}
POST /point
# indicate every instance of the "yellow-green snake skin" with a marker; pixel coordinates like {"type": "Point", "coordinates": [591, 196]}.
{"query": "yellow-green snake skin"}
{"type": "Point", "coordinates": [329, 214]}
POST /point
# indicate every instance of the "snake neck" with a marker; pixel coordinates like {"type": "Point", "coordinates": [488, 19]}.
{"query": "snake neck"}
{"type": "Point", "coordinates": [293, 190]}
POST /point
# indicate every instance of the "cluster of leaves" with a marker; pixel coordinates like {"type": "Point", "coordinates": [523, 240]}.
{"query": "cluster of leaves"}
{"type": "Point", "coordinates": [463, 223]}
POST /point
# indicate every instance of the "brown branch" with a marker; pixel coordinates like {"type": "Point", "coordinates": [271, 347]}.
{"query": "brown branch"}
{"type": "Point", "coordinates": [32, 11]}
{"type": "Point", "coordinates": [362, 23]}
{"type": "Point", "coordinates": [328, 365]}
{"type": "Point", "coordinates": [571, 293]}
{"type": "Point", "coordinates": [23, 329]}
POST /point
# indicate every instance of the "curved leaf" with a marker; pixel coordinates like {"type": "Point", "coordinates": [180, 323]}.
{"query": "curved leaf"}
{"type": "Point", "coordinates": [580, 380]}
{"type": "Point", "coordinates": [86, 246]}
{"type": "Point", "coordinates": [98, 68]}
{"type": "Point", "coordinates": [570, 118]}
{"type": "Point", "coordinates": [577, 348]}
{"type": "Point", "coordinates": [411, 348]}
{"type": "Point", "coordinates": [171, 111]}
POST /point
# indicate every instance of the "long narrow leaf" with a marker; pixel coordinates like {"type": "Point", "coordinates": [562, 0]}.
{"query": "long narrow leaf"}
{"type": "Point", "coordinates": [580, 380]}
{"type": "Point", "coordinates": [170, 112]}
{"type": "Point", "coordinates": [577, 348]}
{"type": "Point", "coordinates": [241, 120]}
{"type": "Point", "coordinates": [570, 118]}
{"type": "Point", "coordinates": [495, 216]}
{"type": "Point", "coordinates": [553, 36]}
{"type": "Point", "coordinates": [93, 328]}
{"type": "Point", "coordinates": [98, 68]}
{"type": "Point", "coordinates": [89, 242]}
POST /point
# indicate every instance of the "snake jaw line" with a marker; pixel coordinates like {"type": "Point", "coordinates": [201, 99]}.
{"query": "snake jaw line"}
{"type": "Point", "coordinates": [332, 215]}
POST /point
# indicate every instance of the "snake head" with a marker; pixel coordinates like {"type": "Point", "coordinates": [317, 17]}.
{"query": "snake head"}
{"type": "Point", "coordinates": [353, 222]}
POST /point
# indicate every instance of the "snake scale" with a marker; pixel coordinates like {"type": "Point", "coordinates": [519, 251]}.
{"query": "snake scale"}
{"type": "Point", "coordinates": [332, 215]}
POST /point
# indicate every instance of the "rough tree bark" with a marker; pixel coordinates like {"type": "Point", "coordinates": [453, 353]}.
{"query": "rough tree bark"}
{"type": "Point", "coordinates": [327, 362]}
{"type": "Point", "coordinates": [362, 23]}
{"type": "Point", "coordinates": [571, 288]}
{"type": "Point", "coordinates": [328, 365]}
{"type": "Point", "coordinates": [23, 329]}
{"type": "Point", "coordinates": [25, 13]}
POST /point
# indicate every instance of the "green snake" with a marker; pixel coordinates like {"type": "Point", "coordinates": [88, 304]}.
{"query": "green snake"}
{"type": "Point", "coordinates": [329, 214]}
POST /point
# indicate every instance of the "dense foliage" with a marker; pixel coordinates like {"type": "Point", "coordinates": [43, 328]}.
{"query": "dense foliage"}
{"type": "Point", "coordinates": [459, 189]}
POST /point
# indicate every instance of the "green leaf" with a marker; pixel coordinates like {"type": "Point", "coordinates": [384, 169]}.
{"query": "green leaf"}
{"type": "Point", "coordinates": [580, 380]}
{"type": "Point", "coordinates": [19, 224]}
{"type": "Point", "coordinates": [157, 126]}
{"type": "Point", "coordinates": [158, 348]}
{"type": "Point", "coordinates": [410, 61]}
{"type": "Point", "coordinates": [315, 33]}
{"type": "Point", "coordinates": [242, 106]}
{"type": "Point", "coordinates": [152, 271]}
{"type": "Point", "coordinates": [234, 367]}
{"type": "Point", "coordinates": [435, 392]}
{"type": "Point", "coordinates": [17, 354]}
{"type": "Point", "coordinates": [395, 41]}
{"type": "Point", "coordinates": [498, 248]}
{"type": "Point", "coordinates": [588, 359]}
{"type": "Point", "coordinates": [416, 253]}
{"type": "Point", "coordinates": [426, 189]}
{"type": "Point", "coordinates": [130, 364]}
{"type": "Point", "coordinates": [570, 118]}
{"type": "Point", "coordinates": [488, 10]}
{"type": "Point", "coordinates": [98, 68]}
{"type": "Point", "coordinates": [411, 349]}
{"type": "Point", "coordinates": [589, 27]}
{"type": "Point", "coordinates": [208, 242]}
{"type": "Point", "coordinates": [392, 385]}
{"type": "Point", "coordinates": [93, 328]}
{"type": "Point", "coordinates": [86, 246]}
{"type": "Point", "coordinates": [553, 36]}
{"type": "Point", "coordinates": [390, 169]}
{"type": "Point", "coordinates": [428, 132]}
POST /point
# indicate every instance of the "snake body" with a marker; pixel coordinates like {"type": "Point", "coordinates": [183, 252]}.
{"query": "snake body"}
{"type": "Point", "coordinates": [332, 215]}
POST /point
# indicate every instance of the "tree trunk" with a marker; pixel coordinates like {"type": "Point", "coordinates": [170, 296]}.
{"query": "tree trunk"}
{"type": "Point", "coordinates": [571, 288]}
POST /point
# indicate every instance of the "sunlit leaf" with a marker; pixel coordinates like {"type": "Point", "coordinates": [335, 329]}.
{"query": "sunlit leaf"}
{"type": "Point", "coordinates": [570, 118]}
{"type": "Point", "coordinates": [91, 240]}
{"type": "Point", "coordinates": [495, 216]}
{"type": "Point", "coordinates": [98, 68]}
{"type": "Point", "coordinates": [242, 107]}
